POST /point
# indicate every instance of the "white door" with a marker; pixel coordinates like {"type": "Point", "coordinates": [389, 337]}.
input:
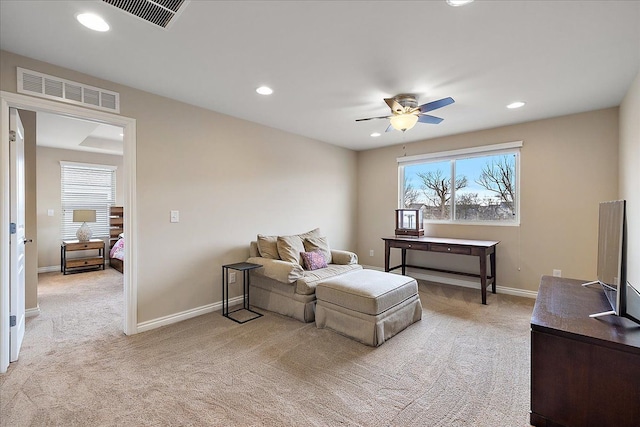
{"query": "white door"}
{"type": "Point", "coordinates": [18, 240]}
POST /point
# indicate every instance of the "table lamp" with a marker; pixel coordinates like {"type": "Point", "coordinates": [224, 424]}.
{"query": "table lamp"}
{"type": "Point", "coordinates": [84, 215]}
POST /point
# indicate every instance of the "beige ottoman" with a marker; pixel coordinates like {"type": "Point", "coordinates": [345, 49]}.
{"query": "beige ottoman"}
{"type": "Point", "coordinates": [368, 305]}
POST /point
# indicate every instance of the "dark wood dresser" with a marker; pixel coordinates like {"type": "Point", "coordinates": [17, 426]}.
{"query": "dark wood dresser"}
{"type": "Point", "coordinates": [584, 371]}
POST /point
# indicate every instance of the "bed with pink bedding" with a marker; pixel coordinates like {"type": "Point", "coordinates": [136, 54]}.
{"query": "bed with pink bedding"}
{"type": "Point", "coordinates": [116, 255]}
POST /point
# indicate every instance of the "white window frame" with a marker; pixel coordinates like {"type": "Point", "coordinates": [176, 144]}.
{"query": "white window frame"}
{"type": "Point", "coordinates": [67, 228]}
{"type": "Point", "coordinates": [452, 155]}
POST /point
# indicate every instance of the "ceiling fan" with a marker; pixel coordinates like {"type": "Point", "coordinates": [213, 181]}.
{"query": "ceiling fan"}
{"type": "Point", "coordinates": [406, 112]}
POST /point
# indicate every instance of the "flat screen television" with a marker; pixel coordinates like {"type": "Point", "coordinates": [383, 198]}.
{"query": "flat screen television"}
{"type": "Point", "coordinates": [611, 256]}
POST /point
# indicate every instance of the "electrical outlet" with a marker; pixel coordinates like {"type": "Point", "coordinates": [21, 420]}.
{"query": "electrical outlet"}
{"type": "Point", "coordinates": [371, 252]}
{"type": "Point", "coordinates": [175, 216]}
{"type": "Point", "coordinates": [232, 277]}
{"type": "Point", "coordinates": [557, 273]}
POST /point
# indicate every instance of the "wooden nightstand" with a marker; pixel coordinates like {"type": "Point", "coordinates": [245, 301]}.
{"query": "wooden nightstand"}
{"type": "Point", "coordinates": [84, 263]}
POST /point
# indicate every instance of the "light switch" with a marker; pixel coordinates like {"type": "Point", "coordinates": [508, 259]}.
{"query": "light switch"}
{"type": "Point", "coordinates": [175, 216]}
{"type": "Point", "coordinates": [50, 212]}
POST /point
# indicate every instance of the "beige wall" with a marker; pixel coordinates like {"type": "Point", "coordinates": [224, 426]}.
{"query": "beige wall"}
{"type": "Point", "coordinates": [568, 166]}
{"type": "Point", "coordinates": [229, 178]}
{"type": "Point", "coordinates": [48, 189]}
{"type": "Point", "coordinates": [630, 176]}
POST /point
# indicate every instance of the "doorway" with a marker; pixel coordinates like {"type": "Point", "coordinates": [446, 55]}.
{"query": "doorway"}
{"type": "Point", "coordinates": [23, 102]}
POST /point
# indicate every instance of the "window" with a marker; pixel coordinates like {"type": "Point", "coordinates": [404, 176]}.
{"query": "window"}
{"type": "Point", "coordinates": [473, 186]}
{"type": "Point", "coordinates": [87, 186]}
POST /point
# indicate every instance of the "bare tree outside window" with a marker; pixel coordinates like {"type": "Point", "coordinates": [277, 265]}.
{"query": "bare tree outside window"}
{"type": "Point", "coordinates": [484, 189]}
{"type": "Point", "coordinates": [437, 190]}
{"type": "Point", "coordinates": [410, 194]}
{"type": "Point", "coordinates": [467, 206]}
{"type": "Point", "coordinates": [498, 176]}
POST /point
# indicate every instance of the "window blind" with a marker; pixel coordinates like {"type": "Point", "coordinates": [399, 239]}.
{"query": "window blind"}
{"type": "Point", "coordinates": [87, 186]}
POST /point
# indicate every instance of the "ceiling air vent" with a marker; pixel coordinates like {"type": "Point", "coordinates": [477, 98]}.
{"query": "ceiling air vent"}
{"type": "Point", "coordinates": [50, 87]}
{"type": "Point", "coordinates": [158, 12]}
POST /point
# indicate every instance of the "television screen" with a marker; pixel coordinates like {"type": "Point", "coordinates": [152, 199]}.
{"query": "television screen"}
{"type": "Point", "coordinates": [610, 251]}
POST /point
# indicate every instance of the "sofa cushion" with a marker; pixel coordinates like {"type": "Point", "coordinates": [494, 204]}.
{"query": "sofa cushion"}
{"type": "Point", "coordinates": [253, 250]}
{"type": "Point", "coordinates": [313, 260]}
{"type": "Point", "coordinates": [289, 248]}
{"type": "Point", "coordinates": [343, 257]}
{"type": "Point", "coordinates": [268, 247]}
{"type": "Point", "coordinates": [306, 285]}
{"type": "Point", "coordinates": [309, 234]}
{"type": "Point", "coordinates": [318, 244]}
{"type": "Point", "coordinates": [282, 271]}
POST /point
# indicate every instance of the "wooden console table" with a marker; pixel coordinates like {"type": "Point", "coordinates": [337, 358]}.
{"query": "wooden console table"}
{"type": "Point", "coordinates": [479, 248]}
{"type": "Point", "coordinates": [584, 372]}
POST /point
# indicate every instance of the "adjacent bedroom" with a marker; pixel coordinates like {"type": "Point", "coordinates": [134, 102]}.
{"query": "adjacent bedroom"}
{"type": "Point", "coordinates": [75, 167]}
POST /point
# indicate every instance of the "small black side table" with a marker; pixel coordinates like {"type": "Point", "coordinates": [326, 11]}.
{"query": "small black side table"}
{"type": "Point", "coordinates": [244, 267]}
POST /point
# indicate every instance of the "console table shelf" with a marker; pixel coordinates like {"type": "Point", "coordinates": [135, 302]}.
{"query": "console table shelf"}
{"type": "Point", "coordinates": [584, 371]}
{"type": "Point", "coordinates": [479, 248]}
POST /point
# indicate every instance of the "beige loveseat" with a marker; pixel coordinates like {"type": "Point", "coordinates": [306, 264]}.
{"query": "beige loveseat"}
{"type": "Point", "coordinates": [283, 285]}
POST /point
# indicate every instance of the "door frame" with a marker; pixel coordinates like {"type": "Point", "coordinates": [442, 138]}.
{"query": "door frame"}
{"type": "Point", "coordinates": [24, 102]}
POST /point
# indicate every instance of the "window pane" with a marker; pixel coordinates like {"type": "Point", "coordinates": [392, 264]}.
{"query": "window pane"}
{"type": "Point", "coordinates": [490, 191]}
{"type": "Point", "coordinates": [86, 187]}
{"type": "Point", "coordinates": [429, 184]}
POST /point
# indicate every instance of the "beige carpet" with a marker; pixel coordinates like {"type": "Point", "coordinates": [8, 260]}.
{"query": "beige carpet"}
{"type": "Point", "coordinates": [464, 364]}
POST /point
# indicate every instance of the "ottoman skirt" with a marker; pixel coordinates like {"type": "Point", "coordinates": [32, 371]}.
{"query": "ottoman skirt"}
{"type": "Point", "coordinates": [368, 305]}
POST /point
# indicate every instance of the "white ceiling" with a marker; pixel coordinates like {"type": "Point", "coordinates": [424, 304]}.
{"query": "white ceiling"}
{"type": "Point", "coordinates": [74, 134]}
{"type": "Point", "coordinates": [331, 62]}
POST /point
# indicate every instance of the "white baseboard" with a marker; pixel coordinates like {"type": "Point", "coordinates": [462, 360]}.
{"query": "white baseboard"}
{"type": "Point", "coordinates": [179, 317]}
{"type": "Point", "coordinates": [31, 312]}
{"type": "Point", "coordinates": [450, 279]}
{"type": "Point", "coordinates": [54, 268]}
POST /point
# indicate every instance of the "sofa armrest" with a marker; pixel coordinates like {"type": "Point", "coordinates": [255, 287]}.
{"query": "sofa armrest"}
{"type": "Point", "coordinates": [282, 271]}
{"type": "Point", "coordinates": [343, 257]}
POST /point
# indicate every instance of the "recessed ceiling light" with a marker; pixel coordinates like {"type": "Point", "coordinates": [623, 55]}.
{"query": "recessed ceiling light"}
{"type": "Point", "coordinates": [516, 104]}
{"type": "Point", "coordinates": [264, 90]}
{"type": "Point", "coordinates": [456, 3]}
{"type": "Point", "coordinates": [93, 22]}
{"type": "Point", "coordinates": [375, 134]}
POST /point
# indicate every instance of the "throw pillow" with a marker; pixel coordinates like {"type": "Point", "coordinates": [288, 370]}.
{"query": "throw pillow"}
{"type": "Point", "coordinates": [313, 233]}
{"type": "Point", "coordinates": [289, 248]}
{"type": "Point", "coordinates": [318, 244]}
{"type": "Point", "coordinates": [313, 260]}
{"type": "Point", "coordinates": [268, 247]}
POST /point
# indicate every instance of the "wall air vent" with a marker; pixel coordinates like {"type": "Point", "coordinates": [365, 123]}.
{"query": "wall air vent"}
{"type": "Point", "coordinates": [158, 12]}
{"type": "Point", "coordinates": [50, 87]}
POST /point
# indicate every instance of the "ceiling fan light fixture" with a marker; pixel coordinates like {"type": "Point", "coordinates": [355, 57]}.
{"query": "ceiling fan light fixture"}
{"type": "Point", "coordinates": [404, 122]}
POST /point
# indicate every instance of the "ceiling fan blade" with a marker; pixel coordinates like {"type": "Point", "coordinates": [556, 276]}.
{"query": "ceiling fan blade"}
{"type": "Point", "coordinates": [429, 119]}
{"type": "Point", "coordinates": [393, 104]}
{"type": "Point", "coordinates": [389, 128]}
{"type": "Point", "coordinates": [373, 118]}
{"type": "Point", "coordinates": [434, 105]}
